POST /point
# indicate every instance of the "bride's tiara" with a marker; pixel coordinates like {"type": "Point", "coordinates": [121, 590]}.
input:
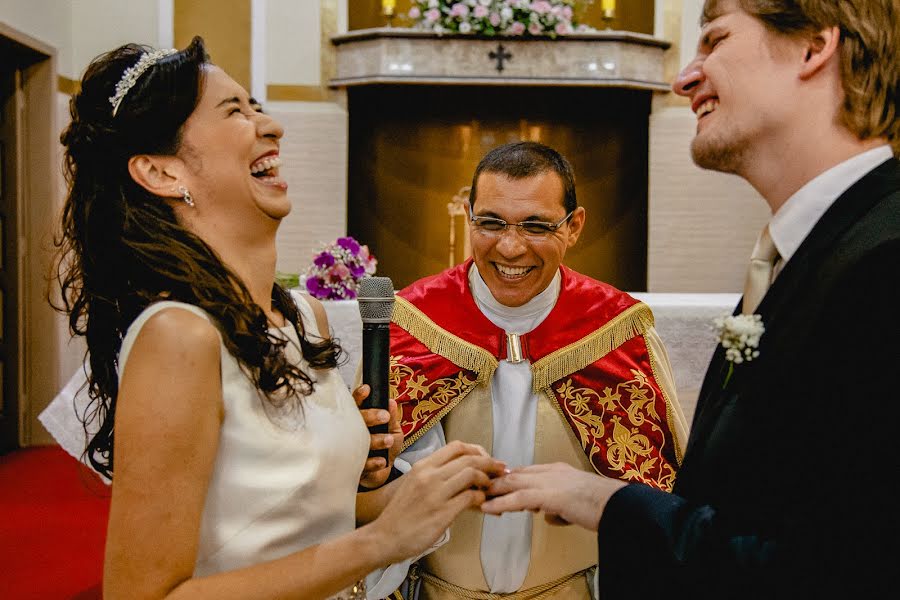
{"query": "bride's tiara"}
{"type": "Point", "coordinates": [132, 74]}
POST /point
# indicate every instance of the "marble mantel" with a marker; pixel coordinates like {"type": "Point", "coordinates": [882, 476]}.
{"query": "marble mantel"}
{"type": "Point", "coordinates": [407, 56]}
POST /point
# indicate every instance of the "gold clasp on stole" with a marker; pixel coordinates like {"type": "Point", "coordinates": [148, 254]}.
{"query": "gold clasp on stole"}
{"type": "Point", "coordinates": [513, 348]}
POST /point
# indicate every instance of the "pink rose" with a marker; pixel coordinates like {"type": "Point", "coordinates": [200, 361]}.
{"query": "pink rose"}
{"type": "Point", "coordinates": [495, 19]}
{"type": "Point", "coordinates": [480, 12]}
{"type": "Point", "coordinates": [337, 273]}
{"type": "Point", "coordinates": [567, 13]}
{"type": "Point", "coordinates": [535, 28]}
{"type": "Point", "coordinates": [432, 15]}
{"type": "Point", "coordinates": [459, 10]}
{"type": "Point", "coordinates": [541, 7]}
{"type": "Point", "coordinates": [517, 28]}
{"type": "Point", "coordinates": [414, 13]}
{"type": "Point", "coordinates": [563, 28]}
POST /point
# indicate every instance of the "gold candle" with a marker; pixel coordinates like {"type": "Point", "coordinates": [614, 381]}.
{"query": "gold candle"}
{"type": "Point", "coordinates": [387, 6]}
{"type": "Point", "coordinates": [608, 5]}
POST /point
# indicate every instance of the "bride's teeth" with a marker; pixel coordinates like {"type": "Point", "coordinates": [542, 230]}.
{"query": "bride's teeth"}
{"type": "Point", "coordinates": [265, 164]}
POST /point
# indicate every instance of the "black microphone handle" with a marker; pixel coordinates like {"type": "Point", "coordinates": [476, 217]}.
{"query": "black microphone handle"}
{"type": "Point", "coordinates": [376, 344]}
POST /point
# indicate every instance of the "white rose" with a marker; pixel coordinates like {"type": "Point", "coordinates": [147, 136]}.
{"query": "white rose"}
{"type": "Point", "coordinates": [464, 27]}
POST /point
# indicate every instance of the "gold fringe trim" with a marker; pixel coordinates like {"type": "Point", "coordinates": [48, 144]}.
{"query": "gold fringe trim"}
{"type": "Point", "coordinates": [591, 348]}
{"type": "Point", "coordinates": [670, 419]}
{"type": "Point", "coordinates": [440, 341]}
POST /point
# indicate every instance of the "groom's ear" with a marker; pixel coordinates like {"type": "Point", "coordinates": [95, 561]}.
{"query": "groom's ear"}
{"type": "Point", "coordinates": [818, 51]}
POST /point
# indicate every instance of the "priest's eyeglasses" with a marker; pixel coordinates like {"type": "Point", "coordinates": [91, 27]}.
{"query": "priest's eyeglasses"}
{"type": "Point", "coordinates": [536, 229]}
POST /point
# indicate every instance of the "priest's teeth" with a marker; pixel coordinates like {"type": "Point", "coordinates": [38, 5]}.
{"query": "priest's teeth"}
{"type": "Point", "coordinates": [707, 107]}
{"type": "Point", "coordinates": [512, 271]}
{"type": "Point", "coordinates": [269, 162]}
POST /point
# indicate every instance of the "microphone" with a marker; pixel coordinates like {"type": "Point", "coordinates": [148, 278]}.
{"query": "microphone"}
{"type": "Point", "coordinates": [376, 303]}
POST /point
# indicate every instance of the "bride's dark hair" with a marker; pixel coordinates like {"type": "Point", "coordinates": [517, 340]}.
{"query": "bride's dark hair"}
{"type": "Point", "coordinates": [121, 247]}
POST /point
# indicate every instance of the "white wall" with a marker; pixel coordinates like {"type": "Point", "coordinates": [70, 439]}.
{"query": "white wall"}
{"type": "Point", "coordinates": [49, 21]}
{"type": "Point", "coordinates": [701, 224]}
{"type": "Point", "coordinates": [314, 163]}
{"type": "Point", "coordinates": [293, 43]}
{"type": "Point", "coordinates": [315, 146]}
{"type": "Point", "coordinates": [81, 30]}
{"type": "Point", "coordinates": [101, 25]}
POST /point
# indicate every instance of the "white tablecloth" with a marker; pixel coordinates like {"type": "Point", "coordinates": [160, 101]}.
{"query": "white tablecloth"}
{"type": "Point", "coordinates": [684, 322]}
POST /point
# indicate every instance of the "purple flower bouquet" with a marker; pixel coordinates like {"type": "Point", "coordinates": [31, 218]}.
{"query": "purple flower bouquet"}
{"type": "Point", "coordinates": [336, 270]}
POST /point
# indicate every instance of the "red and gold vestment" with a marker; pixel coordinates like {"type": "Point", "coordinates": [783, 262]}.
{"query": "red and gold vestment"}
{"type": "Point", "coordinates": [589, 356]}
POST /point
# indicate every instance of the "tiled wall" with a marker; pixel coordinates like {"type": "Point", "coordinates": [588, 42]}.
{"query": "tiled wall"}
{"type": "Point", "coordinates": [314, 163]}
{"type": "Point", "coordinates": [702, 224]}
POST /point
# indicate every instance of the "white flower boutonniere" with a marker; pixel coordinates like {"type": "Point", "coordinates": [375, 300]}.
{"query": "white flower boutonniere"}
{"type": "Point", "coordinates": [739, 335]}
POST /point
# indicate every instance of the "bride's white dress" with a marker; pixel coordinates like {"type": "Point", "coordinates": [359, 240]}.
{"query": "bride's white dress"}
{"type": "Point", "coordinates": [283, 479]}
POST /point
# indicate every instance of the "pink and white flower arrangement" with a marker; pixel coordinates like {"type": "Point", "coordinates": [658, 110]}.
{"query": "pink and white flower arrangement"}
{"type": "Point", "coordinates": [550, 18]}
{"type": "Point", "coordinates": [336, 270]}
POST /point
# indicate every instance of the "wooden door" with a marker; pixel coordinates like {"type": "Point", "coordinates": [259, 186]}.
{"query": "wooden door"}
{"type": "Point", "coordinates": [11, 109]}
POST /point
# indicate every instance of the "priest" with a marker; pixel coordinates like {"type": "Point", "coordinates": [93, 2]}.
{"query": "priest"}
{"type": "Point", "coordinates": [535, 362]}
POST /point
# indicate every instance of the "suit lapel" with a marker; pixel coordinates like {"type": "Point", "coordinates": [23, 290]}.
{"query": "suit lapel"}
{"type": "Point", "coordinates": [848, 209]}
{"type": "Point", "coordinates": [797, 278]}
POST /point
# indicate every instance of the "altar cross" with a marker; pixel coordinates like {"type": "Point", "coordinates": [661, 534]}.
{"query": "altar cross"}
{"type": "Point", "coordinates": [500, 55]}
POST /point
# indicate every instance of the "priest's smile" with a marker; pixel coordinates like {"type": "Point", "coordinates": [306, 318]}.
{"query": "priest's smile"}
{"type": "Point", "coordinates": [521, 229]}
{"type": "Point", "coordinates": [513, 273]}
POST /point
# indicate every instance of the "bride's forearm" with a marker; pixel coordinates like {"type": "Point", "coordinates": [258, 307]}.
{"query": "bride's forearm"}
{"type": "Point", "coordinates": [314, 573]}
{"type": "Point", "coordinates": [370, 504]}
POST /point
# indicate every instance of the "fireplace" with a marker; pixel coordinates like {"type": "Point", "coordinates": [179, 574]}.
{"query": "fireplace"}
{"type": "Point", "coordinates": [416, 137]}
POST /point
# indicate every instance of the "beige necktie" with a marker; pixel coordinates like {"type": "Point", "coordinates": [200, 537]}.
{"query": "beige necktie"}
{"type": "Point", "coordinates": [759, 274]}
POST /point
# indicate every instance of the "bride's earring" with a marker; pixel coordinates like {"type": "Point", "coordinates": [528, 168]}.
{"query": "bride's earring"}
{"type": "Point", "coordinates": [186, 196]}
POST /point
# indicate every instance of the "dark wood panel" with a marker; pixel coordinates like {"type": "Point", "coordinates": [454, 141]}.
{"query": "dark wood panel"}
{"type": "Point", "coordinates": [413, 147]}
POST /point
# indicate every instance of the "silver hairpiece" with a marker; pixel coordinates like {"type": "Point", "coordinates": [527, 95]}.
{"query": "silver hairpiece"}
{"type": "Point", "coordinates": [132, 74]}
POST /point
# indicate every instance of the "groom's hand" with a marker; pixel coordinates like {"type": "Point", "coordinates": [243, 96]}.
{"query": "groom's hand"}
{"type": "Point", "coordinates": [564, 494]}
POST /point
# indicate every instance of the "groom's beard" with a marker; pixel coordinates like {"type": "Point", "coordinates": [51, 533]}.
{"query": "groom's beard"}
{"type": "Point", "coordinates": [714, 151]}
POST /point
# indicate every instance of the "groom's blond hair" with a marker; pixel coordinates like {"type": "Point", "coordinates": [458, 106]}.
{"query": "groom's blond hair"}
{"type": "Point", "coordinates": [870, 47]}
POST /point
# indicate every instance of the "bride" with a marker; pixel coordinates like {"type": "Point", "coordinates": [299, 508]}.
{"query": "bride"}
{"type": "Point", "coordinates": [234, 449]}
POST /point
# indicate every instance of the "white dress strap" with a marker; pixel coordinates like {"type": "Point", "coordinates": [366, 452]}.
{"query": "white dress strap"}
{"type": "Point", "coordinates": [307, 315]}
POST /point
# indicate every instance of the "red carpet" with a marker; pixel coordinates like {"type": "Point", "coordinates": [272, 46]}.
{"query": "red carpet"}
{"type": "Point", "coordinates": [53, 514]}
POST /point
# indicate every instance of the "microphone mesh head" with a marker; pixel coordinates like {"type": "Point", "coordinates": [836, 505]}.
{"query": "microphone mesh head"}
{"type": "Point", "coordinates": [376, 299]}
{"type": "Point", "coordinates": [375, 287]}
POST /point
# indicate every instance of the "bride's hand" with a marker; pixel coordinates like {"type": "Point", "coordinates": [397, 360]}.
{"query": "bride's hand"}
{"type": "Point", "coordinates": [432, 494]}
{"type": "Point", "coordinates": [375, 472]}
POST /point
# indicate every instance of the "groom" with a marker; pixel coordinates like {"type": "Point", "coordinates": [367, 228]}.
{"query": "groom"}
{"type": "Point", "coordinates": [788, 486]}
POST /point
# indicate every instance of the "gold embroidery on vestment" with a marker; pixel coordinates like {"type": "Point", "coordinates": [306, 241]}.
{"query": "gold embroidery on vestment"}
{"type": "Point", "coordinates": [438, 398]}
{"type": "Point", "coordinates": [628, 451]}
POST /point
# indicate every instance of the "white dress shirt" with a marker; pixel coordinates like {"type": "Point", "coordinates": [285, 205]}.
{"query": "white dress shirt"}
{"type": "Point", "coordinates": [799, 214]}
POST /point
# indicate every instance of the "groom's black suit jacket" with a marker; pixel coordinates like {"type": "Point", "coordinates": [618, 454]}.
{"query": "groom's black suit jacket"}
{"type": "Point", "coordinates": [789, 483]}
